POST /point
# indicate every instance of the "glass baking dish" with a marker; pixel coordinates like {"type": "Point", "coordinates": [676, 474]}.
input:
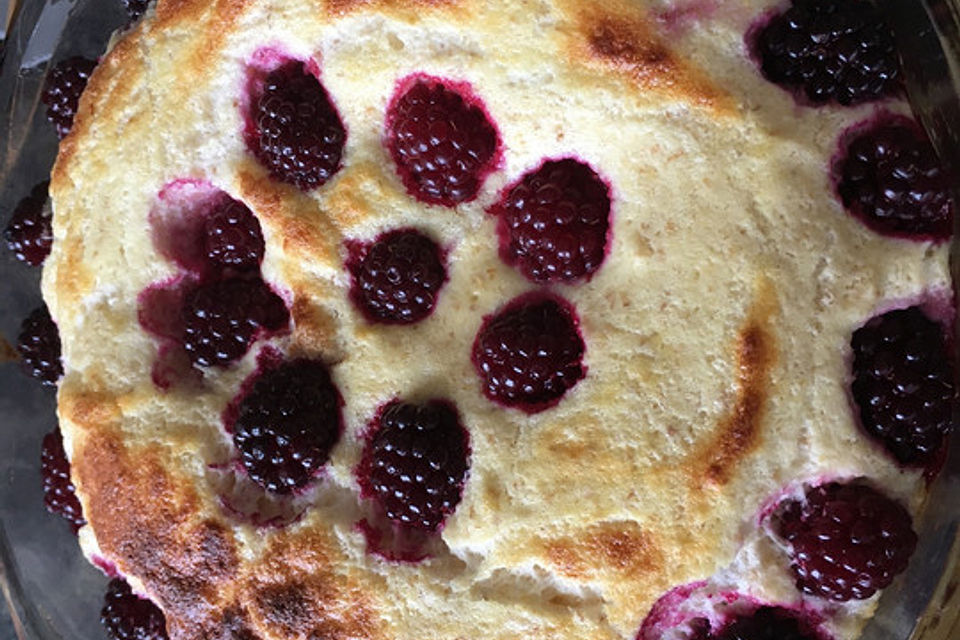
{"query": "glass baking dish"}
{"type": "Point", "coordinates": [50, 589]}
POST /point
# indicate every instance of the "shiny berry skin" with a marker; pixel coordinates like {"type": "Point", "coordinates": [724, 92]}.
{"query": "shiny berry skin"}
{"type": "Point", "coordinates": [397, 278]}
{"type": "Point", "coordinates": [296, 132]}
{"type": "Point", "coordinates": [847, 540]}
{"type": "Point", "coordinates": [59, 494]}
{"type": "Point", "coordinates": [830, 50]}
{"type": "Point", "coordinates": [415, 462]}
{"type": "Point", "coordinates": [287, 424]}
{"type": "Point", "coordinates": [61, 91]}
{"type": "Point", "coordinates": [553, 224]}
{"type": "Point", "coordinates": [222, 319]}
{"type": "Point", "coordinates": [441, 141]}
{"type": "Point", "coordinates": [903, 384]}
{"type": "Point", "coordinates": [889, 177]}
{"type": "Point", "coordinates": [29, 234]}
{"type": "Point", "coordinates": [529, 353]}
{"type": "Point", "coordinates": [39, 347]}
{"type": "Point", "coordinates": [129, 617]}
{"type": "Point", "coordinates": [766, 623]}
{"type": "Point", "coordinates": [232, 236]}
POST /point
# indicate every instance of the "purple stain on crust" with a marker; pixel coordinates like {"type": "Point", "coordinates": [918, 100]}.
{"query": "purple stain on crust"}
{"type": "Point", "coordinates": [243, 500]}
{"type": "Point", "coordinates": [681, 14]}
{"type": "Point", "coordinates": [699, 612]}
{"type": "Point", "coordinates": [108, 568]}
{"type": "Point", "coordinates": [396, 543]}
{"type": "Point", "coordinates": [158, 312]}
{"type": "Point", "coordinates": [886, 174]}
{"type": "Point", "coordinates": [204, 231]}
{"type": "Point", "coordinates": [666, 612]}
{"type": "Point", "coordinates": [218, 305]}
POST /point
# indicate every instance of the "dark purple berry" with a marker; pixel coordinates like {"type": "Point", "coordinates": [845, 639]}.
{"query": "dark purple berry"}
{"type": "Point", "coordinates": [61, 91]}
{"type": "Point", "coordinates": [553, 224]}
{"type": "Point", "coordinates": [232, 236]}
{"type": "Point", "coordinates": [136, 9]}
{"type": "Point", "coordinates": [297, 133]}
{"type": "Point", "coordinates": [529, 353]}
{"type": "Point", "coordinates": [287, 425]}
{"type": "Point", "coordinates": [59, 494]}
{"type": "Point", "coordinates": [903, 384]}
{"type": "Point", "coordinates": [222, 319]}
{"type": "Point", "coordinates": [39, 347]}
{"type": "Point", "coordinates": [889, 177]}
{"type": "Point", "coordinates": [441, 141]}
{"type": "Point", "coordinates": [830, 50]}
{"type": "Point", "coordinates": [415, 462]}
{"type": "Point", "coordinates": [766, 623]}
{"type": "Point", "coordinates": [29, 234]}
{"type": "Point", "coordinates": [847, 540]}
{"type": "Point", "coordinates": [129, 617]}
{"type": "Point", "coordinates": [396, 280]}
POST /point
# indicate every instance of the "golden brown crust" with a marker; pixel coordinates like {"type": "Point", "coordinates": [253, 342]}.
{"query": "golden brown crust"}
{"type": "Point", "coordinates": [146, 524]}
{"type": "Point", "coordinates": [622, 547]}
{"type": "Point", "coordinates": [297, 592]}
{"type": "Point", "coordinates": [715, 329]}
{"type": "Point", "coordinates": [738, 433]}
{"type": "Point", "coordinates": [630, 45]}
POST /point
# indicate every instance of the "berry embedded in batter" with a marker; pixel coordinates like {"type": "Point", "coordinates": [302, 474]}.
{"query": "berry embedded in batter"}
{"type": "Point", "coordinates": [766, 623]}
{"type": "Point", "coordinates": [903, 384]}
{"type": "Point", "coordinates": [221, 319]}
{"type": "Point", "coordinates": [39, 347]}
{"type": "Point", "coordinates": [441, 140]}
{"type": "Point", "coordinates": [59, 494]}
{"type": "Point", "coordinates": [232, 237]}
{"type": "Point", "coordinates": [295, 130]}
{"type": "Point", "coordinates": [847, 540]}
{"type": "Point", "coordinates": [29, 234]}
{"type": "Point", "coordinates": [127, 616]}
{"type": "Point", "coordinates": [553, 224]}
{"type": "Point", "coordinates": [888, 175]}
{"type": "Point", "coordinates": [61, 91]}
{"type": "Point", "coordinates": [530, 353]}
{"type": "Point", "coordinates": [397, 278]}
{"type": "Point", "coordinates": [415, 462]}
{"type": "Point", "coordinates": [287, 424]}
{"type": "Point", "coordinates": [830, 50]}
